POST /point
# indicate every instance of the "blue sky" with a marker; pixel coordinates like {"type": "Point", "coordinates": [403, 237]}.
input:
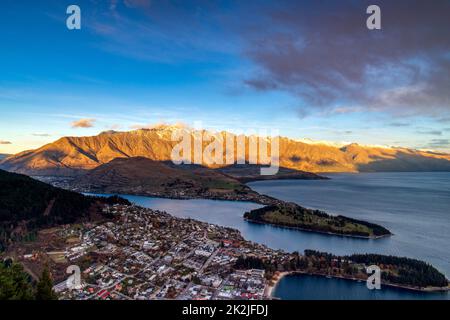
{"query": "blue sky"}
{"type": "Point", "coordinates": [308, 70]}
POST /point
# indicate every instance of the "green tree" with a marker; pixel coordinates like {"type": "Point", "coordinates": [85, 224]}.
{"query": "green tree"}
{"type": "Point", "coordinates": [44, 288]}
{"type": "Point", "coordinates": [15, 284]}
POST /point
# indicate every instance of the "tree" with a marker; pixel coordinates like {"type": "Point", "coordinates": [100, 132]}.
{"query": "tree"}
{"type": "Point", "coordinates": [15, 284]}
{"type": "Point", "coordinates": [44, 288]}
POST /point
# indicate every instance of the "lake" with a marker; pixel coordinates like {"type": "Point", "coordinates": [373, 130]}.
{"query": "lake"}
{"type": "Point", "coordinates": [414, 206]}
{"type": "Point", "coordinates": [312, 287]}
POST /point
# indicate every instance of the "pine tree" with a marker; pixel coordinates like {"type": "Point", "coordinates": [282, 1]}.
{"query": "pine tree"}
{"type": "Point", "coordinates": [44, 288]}
{"type": "Point", "coordinates": [15, 284]}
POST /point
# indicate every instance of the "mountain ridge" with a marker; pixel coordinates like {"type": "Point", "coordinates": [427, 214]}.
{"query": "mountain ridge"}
{"type": "Point", "coordinates": [72, 156]}
{"type": "Point", "coordinates": [27, 205]}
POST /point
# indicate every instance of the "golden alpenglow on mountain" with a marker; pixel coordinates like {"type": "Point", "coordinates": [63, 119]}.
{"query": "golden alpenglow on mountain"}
{"type": "Point", "coordinates": [74, 155]}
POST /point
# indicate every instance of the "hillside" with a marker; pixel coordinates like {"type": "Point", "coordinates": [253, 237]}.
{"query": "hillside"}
{"type": "Point", "coordinates": [3, 156]}
{"type": "Point", "coordinates": [27, 204]}
{"type": "Point", "coordinates": [71, 156]}
{"type": "Point", "coordinates": [140, 175]}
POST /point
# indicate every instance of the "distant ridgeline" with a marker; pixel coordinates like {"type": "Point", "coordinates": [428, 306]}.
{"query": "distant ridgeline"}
{"type": "Point", "coordinates": [27, 205]}
{"type": "Point", "coordinates": [396, 270]}
{"type": "Point", "coordinates": [294, 216]}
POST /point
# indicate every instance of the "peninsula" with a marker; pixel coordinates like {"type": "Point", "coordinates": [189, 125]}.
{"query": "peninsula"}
{"type": "Point", "coordinates": [291, 215]}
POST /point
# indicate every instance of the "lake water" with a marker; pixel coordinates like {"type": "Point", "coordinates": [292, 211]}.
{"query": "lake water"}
{"type": "Point", "coordinates": [414, 206]}
{"type": "Point", "coordinates": [310, 287]}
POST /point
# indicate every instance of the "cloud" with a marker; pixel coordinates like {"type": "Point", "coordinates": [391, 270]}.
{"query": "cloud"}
{"type": "Point", "coordinates": [196, 25]}
{"type": "Point", "coordinates": [83, 123]}
{"type": "Point", "coordinates": [5, 142]}
{"type": "Point", "coordinates": [159, 125]}
{"type": "Point", "coordinates": [41, 134]}
{"type": "Point", "coordinates": [322, 53]}
{"type": "Point", "coordinates": [343, 132]}
{"type": "Point", "coordinates": [139, 126]}
{"type": "Point", "coordinates": [399, 124]}
{"type": "Point", "coordinates": [444, 119]}
{"type": "Point", "coordinates": [137, 3]}
{"type": "Point", "coordinates": [431, 132]}
{"type": "Point", "coordinates": [439, 143]}
{"type": "Point", "coordinates": [115, 126]}
{"type": "Point", "coordinates": [113, 5]}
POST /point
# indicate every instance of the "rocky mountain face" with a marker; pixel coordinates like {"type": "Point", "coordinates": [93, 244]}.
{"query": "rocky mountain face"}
{"type": "Point", "coordinates": [72, 156]}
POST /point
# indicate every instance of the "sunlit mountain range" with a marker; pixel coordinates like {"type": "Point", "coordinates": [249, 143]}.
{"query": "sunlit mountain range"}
{"type": "Point", "coordinates": [71, 156]}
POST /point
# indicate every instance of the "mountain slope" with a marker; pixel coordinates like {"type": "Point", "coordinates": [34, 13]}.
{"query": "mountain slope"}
{"type": "Point", "coordinates": [23, 198]}
{"type": "Point", "coordinates": [140, 175]}
{"type": "Point", "coordinates": [27, 204]}
{"type": "Point", "coordinates": [70, 156]}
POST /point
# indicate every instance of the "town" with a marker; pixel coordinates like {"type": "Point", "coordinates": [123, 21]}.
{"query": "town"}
{"type": "Point", "coordinates": [135, 253]}
{"type": "Point", "coordinates": [146, 254]}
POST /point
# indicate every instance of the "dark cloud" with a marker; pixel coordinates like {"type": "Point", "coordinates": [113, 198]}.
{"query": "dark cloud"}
{"type": "Point", "coordinates": [322, 52]}
{"type": "Point", "coordinates": [318, 51]}
{"type": "Point", "coordinates": [5, 142]}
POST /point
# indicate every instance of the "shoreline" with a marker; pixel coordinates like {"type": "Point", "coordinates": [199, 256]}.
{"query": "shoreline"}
{"type": "Point", "coordinates": [265, 200]}
{"type": "Point", "coordinates": [271, 289]}
{"type": "Point", "coordinates": [247, 219]}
